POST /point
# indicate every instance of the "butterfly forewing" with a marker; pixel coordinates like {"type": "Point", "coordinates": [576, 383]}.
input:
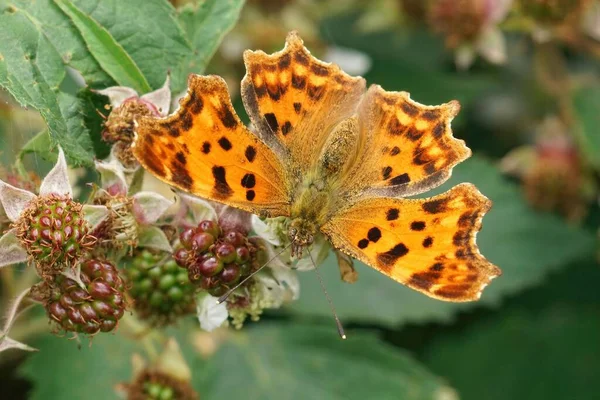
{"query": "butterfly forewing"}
{"type": "Point", "coordinates": [206, 150]}
{"type": "Point", "coordinates": [408, 147]}
{"type": "Point", "coordinates": [296, 100]}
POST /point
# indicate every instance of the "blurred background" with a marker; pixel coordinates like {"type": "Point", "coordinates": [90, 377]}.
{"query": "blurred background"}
{"type": "Point", "coordinates": [527, 75]}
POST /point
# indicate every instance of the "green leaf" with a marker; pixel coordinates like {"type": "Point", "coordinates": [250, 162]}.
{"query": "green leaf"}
{"type": "Point", "coordinates": [267, 361]}
{"type": "Point", "coordinates": [94, 116]}
{"type": "Point", "coordinates": [65, 370]}
{"type": "Point", "coordinates": [544, 345]}
{"type": "Point", "coordinates": [31, 70]}
{"type": "Point", "coordinates": [110, 55]}
{"type": "Point", "coordinates": [146, 30]}
{"type": "Point", "coordinates": [205, 23]}
{"type": "Point", "coordinates": [311, 362]}
{"type": "Point", "coordinates": [525, 244]}
{"type": "Point", "coordinates": [131, 39]}
{"type": "Point", "coordinates": [586, 102]}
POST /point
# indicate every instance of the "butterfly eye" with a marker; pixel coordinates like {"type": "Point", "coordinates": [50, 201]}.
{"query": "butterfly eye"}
{"type": "Point", "coordinates": [293, 232]}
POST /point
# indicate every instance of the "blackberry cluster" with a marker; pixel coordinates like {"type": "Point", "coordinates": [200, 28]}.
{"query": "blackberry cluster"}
{"type": "Point", "coordinates": [215, 260]}
{"type": "Point", "coordinates": [155, 385]}
{"type": "Point", "coordinates": [118, 128]}
{"type": "Point", "coordinates": [160, 289]}
{"type": "Point", "coordinates": [96, 308]}
{"type": "Point", "coordinates": [54, 231]}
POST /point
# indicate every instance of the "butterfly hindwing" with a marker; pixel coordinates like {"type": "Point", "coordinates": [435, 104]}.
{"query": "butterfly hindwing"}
{"type": "Point", "coordinates": [426, 244]}
{"type": "Point", "coordinates": [204, 149]}
{"type": "Point", "coordinates": [408, 147]}
{"type": "Point", "coordinates": [294, 100]}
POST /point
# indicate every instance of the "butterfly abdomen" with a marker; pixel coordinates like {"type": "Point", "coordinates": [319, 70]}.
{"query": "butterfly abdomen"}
{"type": "Point", "coordinates": [340, 149]}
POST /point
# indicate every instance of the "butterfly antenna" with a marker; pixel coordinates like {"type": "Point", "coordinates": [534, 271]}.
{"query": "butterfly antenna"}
{"type": "Point", "coordinates": [226, 295]}
{"type": "Point", "coordinates": [338, 323]}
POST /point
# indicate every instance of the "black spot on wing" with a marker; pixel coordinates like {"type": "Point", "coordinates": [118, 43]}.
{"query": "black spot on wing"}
{"type": "Point", "coordinates": [206, 147]}
{"type": "Point", "coordinates": [221, 187]}
{"type": "Point", "coordinates": [374, 234]}
{"type": "Point", "coordinates": [301, 58]}
{"type": "Point", "coordinates": [427, 242]}
{"type": "Point", "coordinates": [173, 130]}
{"type": "Point", "coordinates": [424, 280]}
{"type": "Point", "coordinates": [386, 172]}
{"type": "Point", "coordinates": [438, 130]}
{"type": "Point", "coordinates": [187, 121]}
{"type": "Point", "coordinates": [298, 81]}
{"type": "Point", "coordinates": [387, 259]}
{"type": "Point", "coordinates": [225, 143]}
{"type": "Point", "coordinates": [286, 128]}
{"type": "Point", "coordinates": [435, 206]}
{"type": "Point", "coordinates": [285, 61]}
{"type": "Point", "coordinates": [319, 70]}
{"type": "Point", "coordinates": [392, 214]}
{"type": "Point", "coordinates": [180, 157]}
{"type": "Point", "coordinates": [417, 225]}
{"type": "Point", "coordinates": [248, 181]}
{"type": "Point", "coordinates": [180, 175]}
{"type": "Point", "coordinates": [400, 179]}
{"type": "Point", "coordinates": [272, 122]}
{"type": "Point", "coordinates": [431, 115]}
{"type": "Point", "coordinates": [409, 109]}
{"type": "Point", "coordinates": [316, 92]}
{"type": "Point", "coordinates": [467, 219]}
{"type": "Point", "coordinates": [363, 243]}
{"type": "Point", "coordinates": [394, 127]}
{"type": "Point", "coordinates": [250, 153]}
{"type": "Point", "coordinates": [195, 104]}
{"type": "Point", "coordinates": [227, 118]}
{"type": "Point", "coordinates": [437, 267]}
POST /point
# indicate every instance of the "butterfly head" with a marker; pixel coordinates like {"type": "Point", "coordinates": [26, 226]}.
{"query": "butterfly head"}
{"type": "Point", "coordinates": [302, 234]}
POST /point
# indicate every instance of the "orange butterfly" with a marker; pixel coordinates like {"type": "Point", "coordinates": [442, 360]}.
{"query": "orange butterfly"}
{"type": "Point", "coordinates": [334, 158]}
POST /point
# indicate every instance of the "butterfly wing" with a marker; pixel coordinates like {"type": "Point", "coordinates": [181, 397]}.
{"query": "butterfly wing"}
{"type": "Point", "coordinates": [426, 244]}
{"type": "Point", "coordinates": [204, 149]}
{"type": "Point", "coordinates": [295, 100]}
{"type": "Point", "coordinates": [408, 148]}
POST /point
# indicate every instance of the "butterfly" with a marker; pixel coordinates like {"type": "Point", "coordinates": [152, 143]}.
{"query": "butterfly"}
{"type": "Point", "coordinates": [335, 158]}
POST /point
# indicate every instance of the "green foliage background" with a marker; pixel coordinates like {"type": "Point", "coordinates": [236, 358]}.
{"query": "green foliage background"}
{"type": "Point", "coordinates": [533, 335]}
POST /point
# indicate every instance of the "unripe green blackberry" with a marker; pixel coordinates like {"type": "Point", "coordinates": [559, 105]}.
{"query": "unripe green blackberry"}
{"type": "Point", "coordinates": [95, 308]}
{"type": "Point", "coordinates": [54, 232]}
{"type": "Point", "coordinates": [216, 260]}
{"type": "Point", "coordinates": [156, 385]}
{"type": "Point", "coordinates": [160, 289]}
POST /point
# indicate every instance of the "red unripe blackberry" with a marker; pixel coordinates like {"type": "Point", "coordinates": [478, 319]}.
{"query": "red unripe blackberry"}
{"type": "Point", "coordinates": [54, 232]}
{"type": "Point", "coordinates": [215, 260]}
{"type": "Point", "coordinates": [97, 307]}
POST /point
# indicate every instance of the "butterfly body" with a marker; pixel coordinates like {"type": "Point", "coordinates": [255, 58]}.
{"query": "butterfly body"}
{"type": "Point", "coordinates": [335, 160]}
